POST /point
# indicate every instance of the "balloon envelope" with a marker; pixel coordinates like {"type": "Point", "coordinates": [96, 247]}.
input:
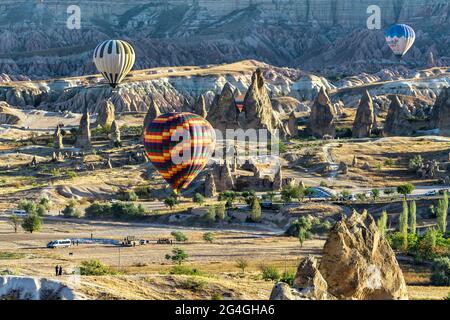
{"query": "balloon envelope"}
{"type": "Point", "coordinates": [400, 38]}
{"type": "Point", "coordinates": [179, 145]}
{"type": "Point", "coordinates": [114, 59]}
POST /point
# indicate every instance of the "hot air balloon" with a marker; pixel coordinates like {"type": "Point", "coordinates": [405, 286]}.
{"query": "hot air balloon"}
{"type": "Point", "coordinates": [114, 59]}
{"type": "Point", "coordinates": [179, 145]}
{"type": "Point", "coordinates": [400, 38]}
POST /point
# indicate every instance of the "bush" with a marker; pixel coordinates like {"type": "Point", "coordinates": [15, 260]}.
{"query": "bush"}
{"type": "Point", "coordinates": [208, 237]}
{"type": "Point", "coordinates": [178, 256]}
{"type": "Point", "coordinates": [415, 163]}
{"type": "Point", "coordinates": [32, 223]}
{"type": "Point", "coordinates": [288, 277]}
{"type": "Point", "coordinates": [179, 236]}
{"type": "Point", "coordinates": [119, 210]}
{"type": "Point", "coordinates": [171, 202]}
{"type": "Point", "coordinates": [210, 215]}
{"type": "Point", "coordinates": [270, 273]}
{"type": "Point", "coordinates": [98, 209]}
{"type": "Point", "coordinates": [198, 198]}
{"type": "Point", "coordinates": [220, 211]}
{"type": "Point", "coordinates": [185, 270]}
{"type": "Point", "coordinates": [128, 195]}
{"type": "Point", "coordinates": [255, 215]}
{"type": "Point", "coordinates": [71, 211]}
{"type": "Point", "coordinates": [94, 268]}
{"type": "Point", "coordinates": [193, 284]}
{"type": "Point", "coordinates": [28, 206]}
{"type": "Point", "coordinates": [441, 272]}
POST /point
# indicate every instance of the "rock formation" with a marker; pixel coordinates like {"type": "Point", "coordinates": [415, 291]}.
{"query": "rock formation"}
{"type": "Point", "coordinates": [278, 180]}
{"type": "Point", "coordinates": [223, 178]}
{"type": "Point", "coordinates": [9, 115]}
{"type": "Point", "coordinates": [210, 186]}
{"type": "Point", "coordinates": [397, 118]}
{"type": "Point", "coordinates": [223, 112]}
{"type": "Point", "coordinates": [58, 139]}
{"type": "Point", "coordinates": [354, 161]}
{"type": "Point", "coordinates": [84, 135]}
{"type": "Point", "coordinates": [152, 113]}
{"type": "Point", "coordinates": [357, 264]}
{"type": "Point", "coordinates": [440, 116]}
{"type": "Point", "coordinates": [200, 107]}
{"type": "Point", "coordinates": [258, 112]}
{"type": "Point", "coordinates": [106, 114]}
{"type": "Point", "coordinates": [321, 119]}
{"type": "Point", "coordinates": [115, 134]}
{"type": "Point", "coordinates": [365, 117]}
{"type": "Point", "coordinates": [343, 168]}
{"type": "Point", "coordinates": [32, 288]}
{"type": "Point", "coordinates": [293, 125]}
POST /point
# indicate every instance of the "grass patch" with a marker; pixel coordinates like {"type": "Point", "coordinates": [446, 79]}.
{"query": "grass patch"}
{"type": "Point", "coordinates": [187, 271]}
{"type": "Point", "coordinates": [11, 255]}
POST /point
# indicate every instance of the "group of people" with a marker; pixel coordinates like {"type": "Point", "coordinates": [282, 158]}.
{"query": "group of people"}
{"type": "Point", "coordinates": [58, 270]}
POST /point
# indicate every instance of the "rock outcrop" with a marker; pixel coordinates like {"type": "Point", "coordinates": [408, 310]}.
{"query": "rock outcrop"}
{"type": "Point", "coordinates": [357, 264]}
{"type": "Point", "coordinates": [257, 112]}
{"type": "Point", "coordinates": [397, 118]}
{"type": "Point", "coordinates": [200, 107]}
{"type": "Point", "coordinates": [321, 119]}
{"type": "Point", "coordinates": [152, 113]}
{"type": "Point", "coordinates": [115, 134]}
{"type": "Point", "coordinates": [31, 288]}
{"type": "Point", "coordinates": [223, 112]}
{"type": "Point", "coordinates": [106, 114]}
{"type": "Point", "coordinates": [365, 117]}
{"type": "Point", "coordinates": [10, 115]}
{"type": "Point", "coordinates": [210, 186]}
{"type": "Point", "coordinates": [440, 115]}
{"type": "Point", "coordinates": [278, 180]}
{"type": "Point", "coordinates": [84, 132]}
{"type": "Point", "coordinates": [293, 125]}
{"type": "Point", "coordinates": [223, 177]}
{"type": "Point", "coordinates": [58, 139]}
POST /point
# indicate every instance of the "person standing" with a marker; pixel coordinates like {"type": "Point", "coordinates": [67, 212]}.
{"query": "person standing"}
{"type": "Point", "coordinates": [56, 270]}
{"type": "Point", "coordinates": [60, 271]}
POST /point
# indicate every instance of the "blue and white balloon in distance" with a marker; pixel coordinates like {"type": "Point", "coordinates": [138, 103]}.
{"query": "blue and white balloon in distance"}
{"type": "Point", "coordinates": [400, 38]}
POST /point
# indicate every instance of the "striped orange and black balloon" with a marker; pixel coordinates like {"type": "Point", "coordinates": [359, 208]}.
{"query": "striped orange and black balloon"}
{"type": "Point", "coordinates": [179, 145]}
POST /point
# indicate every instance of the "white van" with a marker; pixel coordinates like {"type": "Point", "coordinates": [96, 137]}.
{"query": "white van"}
{"type": "Point", "coordinates": [59, 244]}
{"type": "Point", "coordinates": [19, 213]}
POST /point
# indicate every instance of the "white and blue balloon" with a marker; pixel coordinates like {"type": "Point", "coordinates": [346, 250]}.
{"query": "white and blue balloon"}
{"type": "Point", "coordinates": [400, 38]}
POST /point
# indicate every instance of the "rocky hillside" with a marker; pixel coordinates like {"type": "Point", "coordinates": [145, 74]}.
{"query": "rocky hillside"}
{"type": "Point", "coordinates": [328, 35]}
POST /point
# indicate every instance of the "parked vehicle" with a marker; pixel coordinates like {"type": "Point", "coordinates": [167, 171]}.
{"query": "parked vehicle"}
{"type": "Point", "coordinates": [65, 243]}
{"type": "Point", "coordinates": [19, 213]}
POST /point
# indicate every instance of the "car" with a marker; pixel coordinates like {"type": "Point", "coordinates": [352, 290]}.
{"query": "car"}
{"type": "Point", "coordinates": [430, 193]}
{"type": "Point", "coordinates": [65, 243]}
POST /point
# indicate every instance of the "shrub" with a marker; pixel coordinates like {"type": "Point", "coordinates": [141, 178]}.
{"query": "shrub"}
{"type": "Point", "coordinates": [255, 215]}
{"type": "Point", "coordinates": [290, 192]}
{"type": "Point", "coordinates": [170, 202]}
{"type": "Point", "coordinates": [94, 268]}
{"type": "Point", "coordinates": [210, 215]}
{"type": "Point", "coordinates": [178, 256]}
{"type": "Point", "coordinates": [220, 211]}
{"type": "Point", "coordinates": [193, 284]}
{"type": "Point", "coordinates": [270, 273]}
{"type": "Point", "coordinates": [294, 228]}
{"type": "Point", "coordinates": [128, 195]}
{"type": "Point", "coordinates": [415, 163]}
{"type": "Point", "coordinates": [98, 209]}
{"type": "Point", "coordinates": [208, 237]}
{"type": "Point", "coordinates": [242, 264]}
{"type": "Point", "coordinates": [185, 270]}
{"type": "Point", "coordinates": [40, 210]}
{"type": "Point", "coordinates": [442, 212]}
{"type": "Point", "coordinates": [441, 272]}
{"type": "Point", "coordinates": [179, 236]}
{"type": "Point", "coordinates": [198, 198]}
{"type": "Point", "coordinates": [71, 211]}
{"type": "Point", "coordinates": [405, 189]}
{"type": "Point", "coordinates": [118, 210]}
{"type": "Point", "coordinates": [28, 206]}
{"type": "Point", "coordinates": [288, 277]}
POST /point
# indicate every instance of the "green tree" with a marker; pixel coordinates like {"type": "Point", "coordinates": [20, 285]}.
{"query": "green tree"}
{"type": "Point", "coordinates": [255, 215]}
{"type": "Point", "coordinates": [28, 206]}
{"type": "Point", "coordinates": [382, 223]}
{"type": "Point", "coordinates": [71, 211]}
{"type": "Point", "coordinates": [14, 221]}
{"type": "Point", "coordinates": [210, 215]}
{"type": "Point", "coordinates": [94, 268]}
{"type": "Point", "coordinates": [441, 213]}
{"type": "Point", "coordinates": [208, 237]}
{"type": "Point", "coordinates": [198, 198]}
{"type": "Point", "coordinates": [46, 203]}
{"type": "Point", "coordinates": [290, 192]}
{"type": "Point", "coordinates": [309, 192]}
{"type": "Point", "coordinates": [375, 194]}
{"type": "Point", "coordinates": [301, 236]}
{"type": "Point", "coordinates": [170, 202]}
{"type": "Point", "coordinates": [242, 264]}
{"type": "Point", "coordinates": [41, 210]}
{"type": "Point", "coordinates": [405, 189]}
{"type": "Point", "coordinates": [179, 236]}
{"type": "Point", "coordinates": [32, 223]}
{"type": "Point", "coordinates": [403, 225]}
{"type": "Point", "coordinates": [178, 256]}
{"type": "Point", "coordinates": [412, 217]}
{"type": "Point", "coordinates": [220, 211]}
